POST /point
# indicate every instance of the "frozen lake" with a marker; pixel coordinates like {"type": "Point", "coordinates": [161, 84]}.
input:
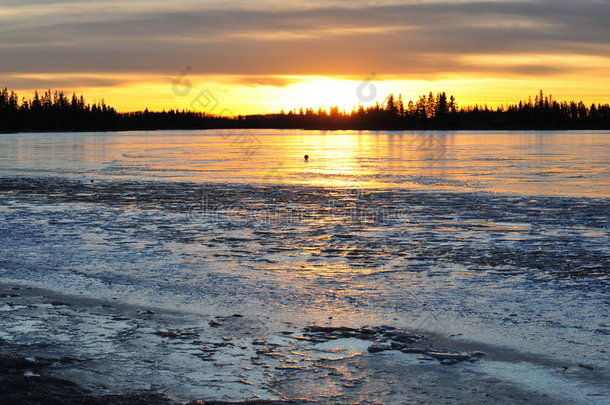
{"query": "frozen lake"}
{"type": "Point", "coordinates": [493, 241]}
{"type": "Point", "coordinates": [575, 163]}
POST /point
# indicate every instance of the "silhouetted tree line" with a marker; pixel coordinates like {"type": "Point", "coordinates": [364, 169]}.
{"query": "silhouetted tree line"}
{"type": "Point", "coordinates": [53, 111]}
{"type": "Point", "coordinates": [442, 112]}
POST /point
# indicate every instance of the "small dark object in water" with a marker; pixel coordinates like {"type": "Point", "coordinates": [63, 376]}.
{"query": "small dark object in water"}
{"type": "Point", "coordinates": [588, 367]}
{"type": "Point", "coordinates": [306, 157]}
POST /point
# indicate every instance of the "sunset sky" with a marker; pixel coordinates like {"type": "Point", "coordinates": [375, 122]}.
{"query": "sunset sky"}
{"type": "Point", "coordinates": [267, 55]}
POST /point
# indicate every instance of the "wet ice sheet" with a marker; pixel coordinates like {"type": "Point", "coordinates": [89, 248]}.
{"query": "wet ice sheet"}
{"type": "Point", "coordinates": [123, 348]}
{"type": "Point", "coordinates": [527, 273]}
{"type": "Point", "coordinates": [532, 162]}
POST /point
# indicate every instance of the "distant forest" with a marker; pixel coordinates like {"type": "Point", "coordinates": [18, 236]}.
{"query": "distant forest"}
{"type": "Point", "coordinates": [54, 111]}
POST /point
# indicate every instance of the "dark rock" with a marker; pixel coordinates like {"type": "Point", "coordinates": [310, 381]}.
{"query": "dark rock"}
{"type": "Point", "coordinates": [449, 358]}
{"type": "Point", "coordinates": [312, 339]}
{"type": "Point", "coordinates": [404, 337]}
{"type": "Point", "coordinates": [176, 334]}
{"type": "Point", "coordinates": [333, 332]}
{"type": "Point", "coordinates": [448, 355]}
{"type": "Point", "coordinates": [167, 334]}
{"type": "Point", "coordinates": [398, 345]}
{"type": "Point", "coordinates": [417, 350]}
{"type": "Point", "coordinates": [37, 389]}
{"type": "Point", "coordinates": [387, 338]}
{"type": "Point", "coordinates": [222, 344]}
{"type": "Point", "coordinates": [378, 347]}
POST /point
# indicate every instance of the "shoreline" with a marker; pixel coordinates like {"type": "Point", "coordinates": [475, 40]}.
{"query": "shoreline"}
{"type": "Point", "coordinates": [325, 129]}
{"type": "Point", "coordinates": [53, 373]}
{"type": "Point", "coordinates": [13, 290]}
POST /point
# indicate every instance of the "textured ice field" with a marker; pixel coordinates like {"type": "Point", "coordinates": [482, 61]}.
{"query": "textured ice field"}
{"type": "Point", "coordinates": [493, 242]}
{"type": "Point", "coordinates": [527, 274]}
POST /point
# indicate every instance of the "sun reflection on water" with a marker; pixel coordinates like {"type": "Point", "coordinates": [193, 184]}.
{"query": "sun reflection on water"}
{"type": "Point", "coordinates": [559, 163]}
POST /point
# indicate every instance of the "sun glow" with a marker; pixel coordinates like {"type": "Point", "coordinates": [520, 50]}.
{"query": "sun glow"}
{"type": "Point", "coordinates": [325, 92]}
{"type": "Point", "coordinates": [235, 94]}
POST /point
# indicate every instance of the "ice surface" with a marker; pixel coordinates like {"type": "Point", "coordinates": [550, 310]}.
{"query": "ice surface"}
{"type": "Point", "coordinates": [523, 272]}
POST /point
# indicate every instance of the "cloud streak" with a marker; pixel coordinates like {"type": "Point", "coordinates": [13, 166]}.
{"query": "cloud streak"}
{"type": "Point", "coordinates": [110, 43]}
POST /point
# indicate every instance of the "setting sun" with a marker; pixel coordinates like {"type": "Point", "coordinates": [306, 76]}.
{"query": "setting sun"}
{"type": "Point", "coordinates": [325, 92]}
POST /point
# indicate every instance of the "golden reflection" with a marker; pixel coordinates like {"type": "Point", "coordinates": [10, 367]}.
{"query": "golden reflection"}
{"type": "Point", "coordinates": [562, 163]}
